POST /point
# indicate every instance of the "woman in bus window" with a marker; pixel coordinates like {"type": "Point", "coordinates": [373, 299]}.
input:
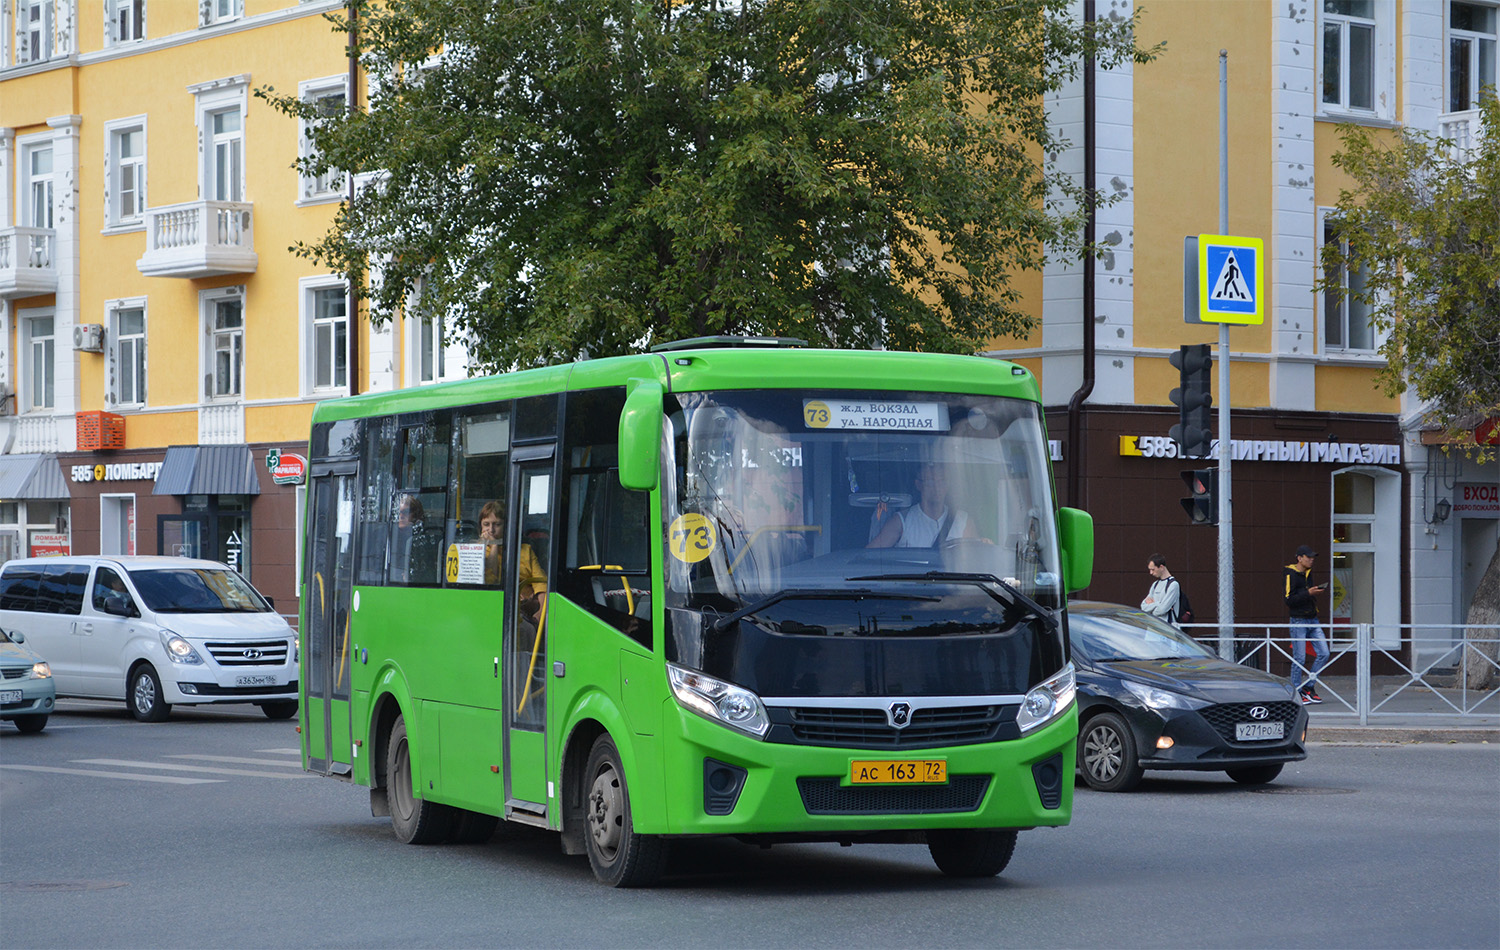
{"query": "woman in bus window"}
{"type": "Point", "coordinates": [531, 581]}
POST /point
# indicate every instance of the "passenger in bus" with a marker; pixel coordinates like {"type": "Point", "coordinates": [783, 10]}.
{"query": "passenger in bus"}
{"type": "Point", "coordinates": [931, 521]}
{"type": "Point", "coordinates": [415, 554]}
{"type": "Point", "coordinates": [531, 581]}
{"type": "Point", "coordinates": [491, 524]}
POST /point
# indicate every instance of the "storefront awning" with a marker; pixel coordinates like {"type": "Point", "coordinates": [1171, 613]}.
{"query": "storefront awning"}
{"type": "Point", "coordinates": [207, 470]}
{"type": "Point", "coordinates": [31, 477]}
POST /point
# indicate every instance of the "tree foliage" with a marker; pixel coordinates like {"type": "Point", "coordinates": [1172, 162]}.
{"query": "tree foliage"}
{"type": "Point", "coordinates": [558, 177]}
{"type": "Point", "coordinates": [1423, 223]}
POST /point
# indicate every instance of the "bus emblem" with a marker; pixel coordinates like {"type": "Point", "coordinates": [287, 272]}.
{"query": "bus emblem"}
{"type": "Point", "coordinates": [899, 715]}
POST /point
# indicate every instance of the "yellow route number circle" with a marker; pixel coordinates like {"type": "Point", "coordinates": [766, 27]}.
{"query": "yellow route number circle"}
{"type": "Point", "coordinates": [450, 563]}
{"type": "Point", "coordinates": [692, 537]}
{"type": "Point", "coordinates": [815, 414]}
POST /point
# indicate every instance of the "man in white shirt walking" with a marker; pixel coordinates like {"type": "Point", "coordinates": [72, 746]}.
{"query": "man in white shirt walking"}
{"type": "Point", "coordinates": [1161, 599]}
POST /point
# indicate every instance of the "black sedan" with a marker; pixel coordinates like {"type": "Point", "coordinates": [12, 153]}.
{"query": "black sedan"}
{"type": "Point", "coordinates": [1151, 697]}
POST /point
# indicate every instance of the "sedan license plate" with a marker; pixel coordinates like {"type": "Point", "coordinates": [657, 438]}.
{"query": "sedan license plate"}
{"type": "Point", "coordinates": [1252, 731]}
{"type": "Point", "coordinates": [255, 681]}
{"type": "Point", "coordinates": [898, 772]}
{"type": "Point", "coordinates": [10, 696]}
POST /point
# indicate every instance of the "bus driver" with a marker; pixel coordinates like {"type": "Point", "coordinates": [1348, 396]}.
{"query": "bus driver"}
{"type": "Point", "coordinates": [930, 522]}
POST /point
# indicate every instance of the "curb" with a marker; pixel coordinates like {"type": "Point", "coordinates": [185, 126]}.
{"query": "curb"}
{"type": "Point", "coordinates": [1397, 734]}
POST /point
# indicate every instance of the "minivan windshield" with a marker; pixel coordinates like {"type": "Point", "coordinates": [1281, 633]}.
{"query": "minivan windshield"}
{"type": "Point", "coordinates": [197, 590]}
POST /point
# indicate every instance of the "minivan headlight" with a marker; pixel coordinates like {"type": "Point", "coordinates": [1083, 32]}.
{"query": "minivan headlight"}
{"type": "Point", "coordinates": [178, 649]}
{"type": "Point", "coordinates": [41, 671]}
{"type": "Point", "coordinates": [726, 703]}
{"type": "Point", "coordinates": [1047, 700]}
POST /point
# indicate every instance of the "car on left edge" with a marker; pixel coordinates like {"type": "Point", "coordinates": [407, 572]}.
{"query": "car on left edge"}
{"type": "Point", "coordinates": [27, 693]}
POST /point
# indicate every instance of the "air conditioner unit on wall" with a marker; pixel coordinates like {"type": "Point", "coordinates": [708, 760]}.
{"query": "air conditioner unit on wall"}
{"type": "Point", "coordinates": [88, 337]}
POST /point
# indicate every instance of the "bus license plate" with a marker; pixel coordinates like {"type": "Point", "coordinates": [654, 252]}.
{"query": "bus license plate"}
{"type": "Point", "coordinates": [255, 681]}
{"type": "Point", "coordinates": [898, 772]}
{"type": "Point", "coordinates": [1251, 731]}
{"type": "Point", "coordinates": [10, 696]}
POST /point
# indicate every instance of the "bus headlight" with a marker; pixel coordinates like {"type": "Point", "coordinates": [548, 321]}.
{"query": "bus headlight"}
{"type": "Point", "coordinates": [178, 649]}
{"type": "Point", "coordinates": [1047, 700]}
{"type": "Point", "coordinates": [722, 702]}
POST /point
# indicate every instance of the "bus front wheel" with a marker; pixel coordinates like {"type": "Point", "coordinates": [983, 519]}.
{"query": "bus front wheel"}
{"type": "Point", "coordinates": [971, 852]}
{"type": "Point", "coordinates": [415, 820]}
{"type": "Point", "coordinates": [619, 856]}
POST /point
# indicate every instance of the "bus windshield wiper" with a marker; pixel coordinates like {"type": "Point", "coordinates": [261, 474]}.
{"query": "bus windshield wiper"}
{"type": "Point", "coordinates": [845, 593]}
{"type": "Point", "coordinates": [987, 582]}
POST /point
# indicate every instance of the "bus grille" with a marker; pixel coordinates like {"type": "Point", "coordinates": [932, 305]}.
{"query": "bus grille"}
{"type": "Point", "coordinates": [249, 653]}
{"type": "Point", "coordinates": [825, 796]}
{"type": "Point", "coordinates": [868, 729]}
{"type": "Point", "coordinates": [1223, 717]}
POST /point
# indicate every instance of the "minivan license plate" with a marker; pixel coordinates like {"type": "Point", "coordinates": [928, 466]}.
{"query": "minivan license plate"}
{"type": "Point", "coordinates": [10, 696]}
{"type": "Point", "coordinates": [1251, 731]}
{"type": "Point", "coordinates": [255, 681]}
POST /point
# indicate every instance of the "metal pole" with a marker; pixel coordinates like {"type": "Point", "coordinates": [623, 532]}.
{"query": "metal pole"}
{"type": "Point", "coordinates": [1226, 524]}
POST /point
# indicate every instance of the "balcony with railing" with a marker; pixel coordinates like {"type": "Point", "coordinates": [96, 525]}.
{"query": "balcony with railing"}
{"type": "Point", "coordinates": [26, 262]}
{"type": "Point", "coordinates": [199, 239]}
{"type": "Point", "coordinates": [221, 423]}
{"type": "Point", "coordinates": [1462, 132]}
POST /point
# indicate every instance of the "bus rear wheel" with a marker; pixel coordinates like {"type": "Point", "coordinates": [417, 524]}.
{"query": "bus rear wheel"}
{"type": "Point", "coordinates": [415, 820]}
{"type": "Point", "coordinates": [619, 856]}
{"type": "Point", "coordinates": [971, 852]}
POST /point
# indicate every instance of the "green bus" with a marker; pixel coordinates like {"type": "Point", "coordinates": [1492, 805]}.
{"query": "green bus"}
{"type": "Point", "coordinates": [733, 586]}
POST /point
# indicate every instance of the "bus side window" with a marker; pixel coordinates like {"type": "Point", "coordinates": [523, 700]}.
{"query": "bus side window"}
{"type": "Point", "coordinates": [419, 507]}
{"type": "Point", "coordinates": [606, 563]}
{"type": "Point", "coordinates": [482, 443]}
{"type": "Point", "coordinates": [374, 509]}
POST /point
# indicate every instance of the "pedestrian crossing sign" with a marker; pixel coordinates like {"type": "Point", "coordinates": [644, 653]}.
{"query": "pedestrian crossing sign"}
{"type": "Point", "coordinates": [1231, 279]}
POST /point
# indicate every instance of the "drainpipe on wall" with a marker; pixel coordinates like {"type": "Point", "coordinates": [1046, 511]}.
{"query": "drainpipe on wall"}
{"type": "Point", "coordinates": [351, 306]}
{"type": "Point", "coordinates": [1075, 454]}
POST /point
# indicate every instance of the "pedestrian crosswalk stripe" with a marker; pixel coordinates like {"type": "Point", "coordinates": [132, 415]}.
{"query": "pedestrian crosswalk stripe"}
{"type": "Point", "coordinates": [237, 760]}
{"type": "Point", "coordinates": [129, 763]}
{"type": "Point", "coordinates": [170, 779]}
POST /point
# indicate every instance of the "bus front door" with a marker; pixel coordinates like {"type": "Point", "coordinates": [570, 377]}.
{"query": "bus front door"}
{"type": "Point", "coordinates": [526, 641]}
{"type": "Point", "coordinates": [326, 731]}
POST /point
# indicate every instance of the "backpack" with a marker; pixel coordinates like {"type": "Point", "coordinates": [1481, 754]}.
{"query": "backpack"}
{"type": "Point", "coordinates": [1184, 606]}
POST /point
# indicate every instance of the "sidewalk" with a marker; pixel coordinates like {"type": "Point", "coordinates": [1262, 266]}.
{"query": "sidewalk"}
{"type": "Point", "coordinates": [1403, 711]}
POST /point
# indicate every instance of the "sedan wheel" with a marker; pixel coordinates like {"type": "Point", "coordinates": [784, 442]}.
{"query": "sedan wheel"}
{"type": "Point", "coordinates": [1107, 754]}
{"type": "Point", "coordinates": [1255, 774]}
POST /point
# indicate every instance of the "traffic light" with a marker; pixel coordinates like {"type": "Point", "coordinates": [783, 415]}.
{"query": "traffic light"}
{"type": "Point", "coordinates": [1194, 432]}
{"type": "Point", "coordinates": [1202, 503]}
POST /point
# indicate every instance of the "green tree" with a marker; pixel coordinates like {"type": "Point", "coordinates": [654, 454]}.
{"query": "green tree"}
{"type": "Point", "coordinates": [1423, 223]}
{"type": "Point", "coordinates": [590, 176]}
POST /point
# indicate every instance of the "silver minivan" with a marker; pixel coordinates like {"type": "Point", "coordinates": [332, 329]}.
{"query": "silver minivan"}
{"type": "Point", "coordinates": [154, 631]}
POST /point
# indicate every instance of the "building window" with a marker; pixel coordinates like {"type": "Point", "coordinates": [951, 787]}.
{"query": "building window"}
{"type": "Point", "coordinates": [224, 317]}
{"type": "Point", "coordinates": [1471, 53]}
{"type": "Point", "coordinates": [329, 328]}
{"type": "Point", "coordinates": [219, 11]}
{"type": "Point", "coordinates": [126, 20]}
{"type": "Point", "coordinates": [127, 356]}
{"type": "Point", "coordinates": [226, 156]}
{"type": "Point", "coordinates": [1346, 319]}
{"type": "Point", "coordinates": [39, 362]}
{"type": "Point", "coordinates": [328, 99]}
{"type": "Point", "coordinates": [35, 36]}
{"type": "Point", "coordinates": [1349, 55]}
{"type": "Point", "coordinates": [37, 191]}
{"type": "Point", "coordinates": [126, 162]}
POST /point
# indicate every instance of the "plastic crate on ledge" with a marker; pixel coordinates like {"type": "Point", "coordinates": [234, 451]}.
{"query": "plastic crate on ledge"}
{"type": "Point", "coordinates": [100, 430]}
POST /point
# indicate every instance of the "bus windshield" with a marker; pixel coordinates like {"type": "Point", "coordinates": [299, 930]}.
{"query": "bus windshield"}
{"type": "Point", "coordinates": [860, 513]}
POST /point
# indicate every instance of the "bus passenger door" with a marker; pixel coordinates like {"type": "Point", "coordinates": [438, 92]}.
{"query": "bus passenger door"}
{"type": "Point", "coordinates": [526, 584]}
{"type": "Point", "coordinates": [326, 663]}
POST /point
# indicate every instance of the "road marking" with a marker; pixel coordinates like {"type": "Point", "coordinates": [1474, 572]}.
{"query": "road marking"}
{"type": "Point", "coordinates": [172, 779]}
{"type": "Point", "coordinates": [237, 760]}
{"type": "Point", "coordinates": [296, 752]}
{"type": "Point", "coordinates": [128, 763]}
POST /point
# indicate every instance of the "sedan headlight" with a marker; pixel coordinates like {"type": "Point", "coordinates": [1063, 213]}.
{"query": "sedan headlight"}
{"type": "Point", "coordinates": [1047, 700]}
{"type": "Point", "coordinates": [41, 671]}
{"type": "Point", "coordinates": [178, 649]}
{"type": "Point", "coordinates": [1153, 698]}
{"type": "Point", "coordinates": [722, 702]}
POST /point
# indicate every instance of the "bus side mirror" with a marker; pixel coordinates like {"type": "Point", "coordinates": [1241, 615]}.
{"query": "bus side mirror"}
{"type": "Point", "coordinates": [1075, 531]}
{"type": "Point", "coordinates": [640, 435]}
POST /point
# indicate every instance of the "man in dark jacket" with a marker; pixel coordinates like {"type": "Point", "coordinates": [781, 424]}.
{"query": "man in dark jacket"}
{"type": "Point", "coordinates": [1304, 623]}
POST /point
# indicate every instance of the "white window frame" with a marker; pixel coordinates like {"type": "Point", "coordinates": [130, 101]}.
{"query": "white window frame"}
{"type": "Point", "coordinates": [46, 34]}
{"type": "Point", "coordinates": [1382, 62]}
{"type": "Point", "coordinates": [1476, 81]}
{"type": "Point", "coordinates": [1341, 347]}
{"type": "Point", "coordinates": [215, 339]}
{"type": "Point", "coordinates": [134, 12]}
{"type": "Point", "coordinates": [213, 98]}
{"type": "Point", "coordinates": [115, 361]}
{"type": "Point", "coordinates": [425, 348]}
{"type": "Point", "coordinates": [219, 11]}
{"type": "Point", "coordinates": [308, 289]}
{"type": "Point", "coordinates": [26, 365]}
{"type": "Point", "coordinates": [26, 147]}
{"type": "Point", "coordinates": [115, 217]}
{"type": "Point", "coordinates": [325, 188]}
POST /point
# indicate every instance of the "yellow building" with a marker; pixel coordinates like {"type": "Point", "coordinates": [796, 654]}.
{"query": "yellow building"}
{"type": "Point", "coordinates": [1320, 455]}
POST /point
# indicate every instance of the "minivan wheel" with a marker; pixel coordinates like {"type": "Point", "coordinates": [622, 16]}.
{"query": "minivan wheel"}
{"type": "Point", "coordinates": [144, 696]}
{"type": "Point", "coordinates": [279, 709]}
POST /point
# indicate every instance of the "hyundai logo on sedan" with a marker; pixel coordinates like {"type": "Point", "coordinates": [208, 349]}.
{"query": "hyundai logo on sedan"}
{"type": "Point", "coordinates": [254, 654]}
{"type": "Point", "coordinates": [1259, 712]}
{"type": "Point", "coordinates": [899, 715]}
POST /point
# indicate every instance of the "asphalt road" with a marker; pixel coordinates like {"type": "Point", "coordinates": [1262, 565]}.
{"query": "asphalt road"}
{"type": "Point", "coordinates": [203, 832]}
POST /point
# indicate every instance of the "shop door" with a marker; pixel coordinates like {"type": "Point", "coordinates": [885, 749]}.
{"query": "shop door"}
{"type": "Point", "coordinates": [326, 595]}
{"type": "Point", "coordinates": [526, 585]}
{"type": "Point", "coordinates": [182, 535]}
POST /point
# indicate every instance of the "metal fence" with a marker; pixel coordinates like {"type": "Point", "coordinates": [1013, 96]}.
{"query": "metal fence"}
{"type": "Point", "coordinates": [1420, 670]}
